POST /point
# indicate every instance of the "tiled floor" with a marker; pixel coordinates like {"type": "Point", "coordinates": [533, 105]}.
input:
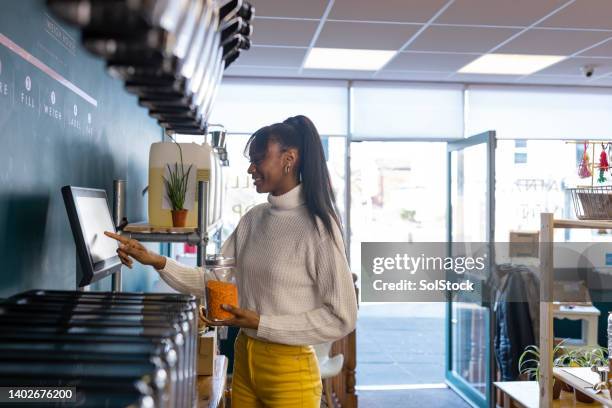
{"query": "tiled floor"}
{"type": "Point", "coordinates": [443, 398]}
{"type": "Point", "coordinates": [402, 344]}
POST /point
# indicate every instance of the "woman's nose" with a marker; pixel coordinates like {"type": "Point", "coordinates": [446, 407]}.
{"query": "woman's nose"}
{"type": "Point", "coordinates": [251, 168]}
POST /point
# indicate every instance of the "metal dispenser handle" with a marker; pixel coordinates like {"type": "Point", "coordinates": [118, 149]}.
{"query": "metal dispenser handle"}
{"type": "Point", "coordinates": [118, 219]}
{"type": "Point", "coordinates": [202, 221]}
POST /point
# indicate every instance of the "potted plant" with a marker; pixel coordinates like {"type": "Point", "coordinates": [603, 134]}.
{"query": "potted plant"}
{"type": "Point", "coordinates": [176, 189]}
{"type": "Point", "coordinates": [529, 364]}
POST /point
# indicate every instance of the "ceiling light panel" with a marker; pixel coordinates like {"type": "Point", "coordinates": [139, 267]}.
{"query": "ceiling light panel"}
{"type": "Point", "coordinates": [510, 64]}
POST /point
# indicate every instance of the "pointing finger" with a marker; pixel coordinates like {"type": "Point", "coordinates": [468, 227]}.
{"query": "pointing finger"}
{"type": "Point", "coordinates": [123, 240]}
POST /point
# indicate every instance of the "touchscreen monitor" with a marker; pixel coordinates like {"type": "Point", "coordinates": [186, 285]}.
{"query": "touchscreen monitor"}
{"type": "Point", "coordinates": [89, 217]}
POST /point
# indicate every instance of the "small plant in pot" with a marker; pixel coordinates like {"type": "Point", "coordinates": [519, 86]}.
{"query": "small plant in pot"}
{"type": "Point", "coordinates": [176, 188]}
{"type": "Point", "coordinates": [529, 364]}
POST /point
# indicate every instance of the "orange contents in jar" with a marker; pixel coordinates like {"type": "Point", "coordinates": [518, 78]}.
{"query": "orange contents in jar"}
{"type": "Point", "coordinates": [220, 293]}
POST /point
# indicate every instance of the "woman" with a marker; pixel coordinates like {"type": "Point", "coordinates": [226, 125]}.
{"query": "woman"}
{"type": "Point", "coordinates": [294, 283]}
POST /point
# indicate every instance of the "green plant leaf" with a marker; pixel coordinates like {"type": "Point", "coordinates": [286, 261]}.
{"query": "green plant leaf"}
{"type": "Point", "coordinates": [178, 181]}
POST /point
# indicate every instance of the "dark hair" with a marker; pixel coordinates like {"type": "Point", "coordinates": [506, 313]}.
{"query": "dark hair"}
{"type": "Point", "coordinates": [300, 133]}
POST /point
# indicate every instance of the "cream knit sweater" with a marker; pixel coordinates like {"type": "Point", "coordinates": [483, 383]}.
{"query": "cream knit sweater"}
{"type": "Point", "coordinates": [296, 279]}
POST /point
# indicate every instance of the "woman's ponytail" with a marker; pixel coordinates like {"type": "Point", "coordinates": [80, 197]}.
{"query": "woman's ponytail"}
{"type": "Point", "coordinates": [316, 182]}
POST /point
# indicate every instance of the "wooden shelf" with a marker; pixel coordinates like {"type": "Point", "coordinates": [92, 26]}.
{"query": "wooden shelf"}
{"type": "Point", "coordinates": [149, 233]}
{"type": "Point", "coordinates": [592, 224]}
{"type": "Point", "coordinates": [144, 228]}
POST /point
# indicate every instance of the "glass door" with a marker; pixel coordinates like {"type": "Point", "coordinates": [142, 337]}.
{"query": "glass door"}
{"type": "Point", "coordinates": [471, 212]}
{"type": "Point", "coordinates": [397, 191]}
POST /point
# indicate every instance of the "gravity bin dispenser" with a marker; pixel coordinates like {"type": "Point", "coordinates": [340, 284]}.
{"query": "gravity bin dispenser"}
{"type": "Point", "coordinates": [171, 54]}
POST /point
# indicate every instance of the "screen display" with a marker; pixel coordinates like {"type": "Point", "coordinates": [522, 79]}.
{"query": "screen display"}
{"type": "Point", "coordinates": [95, 219]}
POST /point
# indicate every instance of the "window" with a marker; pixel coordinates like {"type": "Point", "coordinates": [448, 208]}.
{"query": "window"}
{"type": "Point", "coordinates": [244, 105]}
{"type": "Point", "coordinates": [539, 113]}
{"type": "Point", "coordinates": [525, 188]}
{"type": "Point", "coordinates": [406, 111]}
{"type": "Point", "coordinates": [520, 158]}
{"type": "Point", "coordinates": [240, 194]}
{"type": "Point", "coordinates": [520, 143]}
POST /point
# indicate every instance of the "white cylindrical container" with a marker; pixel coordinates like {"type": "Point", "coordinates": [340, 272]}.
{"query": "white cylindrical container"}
{"type": "Point", "coordinates": [167, 153]}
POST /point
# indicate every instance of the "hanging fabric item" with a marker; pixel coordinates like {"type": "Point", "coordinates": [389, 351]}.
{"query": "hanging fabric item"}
{"type": "Point", "coordinates": [584, 170]}
{"type": "Point", "coordinates": [609, 145]}
{"type": "Point", "coordinates": [603, 164]}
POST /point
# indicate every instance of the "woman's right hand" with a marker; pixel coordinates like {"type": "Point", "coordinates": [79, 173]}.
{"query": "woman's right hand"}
{"type": "Point", "coordinates": [130, 248]}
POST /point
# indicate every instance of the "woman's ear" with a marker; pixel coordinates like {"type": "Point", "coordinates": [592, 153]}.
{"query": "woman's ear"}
{"type": "Point", "coordinates": [291, 158]}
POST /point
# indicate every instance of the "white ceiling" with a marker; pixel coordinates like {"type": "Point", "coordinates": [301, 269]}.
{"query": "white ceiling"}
{"type": "Point", "coordinates": [435, 37]}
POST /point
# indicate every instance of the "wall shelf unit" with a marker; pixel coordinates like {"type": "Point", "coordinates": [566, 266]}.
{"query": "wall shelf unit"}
{"type": "Point", "coordinates": [548, 224]}
{"type": "Point", "coordinates": [198, 236]}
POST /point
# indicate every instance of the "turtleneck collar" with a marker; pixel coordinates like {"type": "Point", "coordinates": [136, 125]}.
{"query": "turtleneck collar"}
{"type": "Point", "coordinates": [288, 201]}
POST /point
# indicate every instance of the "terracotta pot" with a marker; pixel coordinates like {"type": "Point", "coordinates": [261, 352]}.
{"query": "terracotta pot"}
{"type": "Point", "coordinates": [557, 389]}
{"type": "Point", "coordinates": [582, 397]}
{"type": "Point", "coordinates": [179, 218]}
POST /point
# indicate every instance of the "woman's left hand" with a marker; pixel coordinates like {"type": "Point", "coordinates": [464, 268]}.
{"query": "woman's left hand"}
{"type": "Point", "coordinates": [244, 318]}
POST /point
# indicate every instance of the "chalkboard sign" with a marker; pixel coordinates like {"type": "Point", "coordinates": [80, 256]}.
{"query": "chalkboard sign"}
{"type": "Point", "coordinates": [63, 120]}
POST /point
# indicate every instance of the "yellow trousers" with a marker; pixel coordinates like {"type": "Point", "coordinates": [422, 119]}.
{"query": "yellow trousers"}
{"type": "Point", "coordinates": [274, 375]}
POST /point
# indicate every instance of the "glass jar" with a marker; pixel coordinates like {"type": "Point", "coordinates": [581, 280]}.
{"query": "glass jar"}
{"type": "Point", "coordinates": [220, 287]}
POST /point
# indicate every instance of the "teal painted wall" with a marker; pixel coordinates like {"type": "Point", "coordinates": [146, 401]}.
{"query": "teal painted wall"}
{"type": "Point", "coordinates": [51, 136]}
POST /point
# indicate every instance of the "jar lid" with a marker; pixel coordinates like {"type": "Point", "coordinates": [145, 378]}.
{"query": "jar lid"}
{"type": "Point", "coordinates": [218, 260]}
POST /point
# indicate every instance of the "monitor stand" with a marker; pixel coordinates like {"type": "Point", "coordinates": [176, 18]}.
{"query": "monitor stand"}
{"type": "Point", "coordinates": [79, 276]}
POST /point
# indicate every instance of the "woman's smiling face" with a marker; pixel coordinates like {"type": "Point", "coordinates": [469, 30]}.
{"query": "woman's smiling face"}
{"type": "Point", "coordinates": [266, 168]}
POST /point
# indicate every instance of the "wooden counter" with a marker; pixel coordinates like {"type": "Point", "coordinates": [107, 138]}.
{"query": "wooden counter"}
{"type": "Point", "coordinates": [525, 394]}
{"type": "Point", "coordinates": [565, 375]}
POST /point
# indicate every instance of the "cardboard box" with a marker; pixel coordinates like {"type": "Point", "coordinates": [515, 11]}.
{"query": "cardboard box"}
{"type": "Point", "coordinates": [204, 386]}
{"type": "Point", "coordinates": [571, 292]}
{"type": "Point", "coordinates": [207, 350]}
{"type": "Point", "coordinates": [524, 244]}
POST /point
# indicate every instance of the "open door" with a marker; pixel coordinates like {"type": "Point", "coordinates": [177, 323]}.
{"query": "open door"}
{"type": "Point", "coordinates": [469, 319]}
